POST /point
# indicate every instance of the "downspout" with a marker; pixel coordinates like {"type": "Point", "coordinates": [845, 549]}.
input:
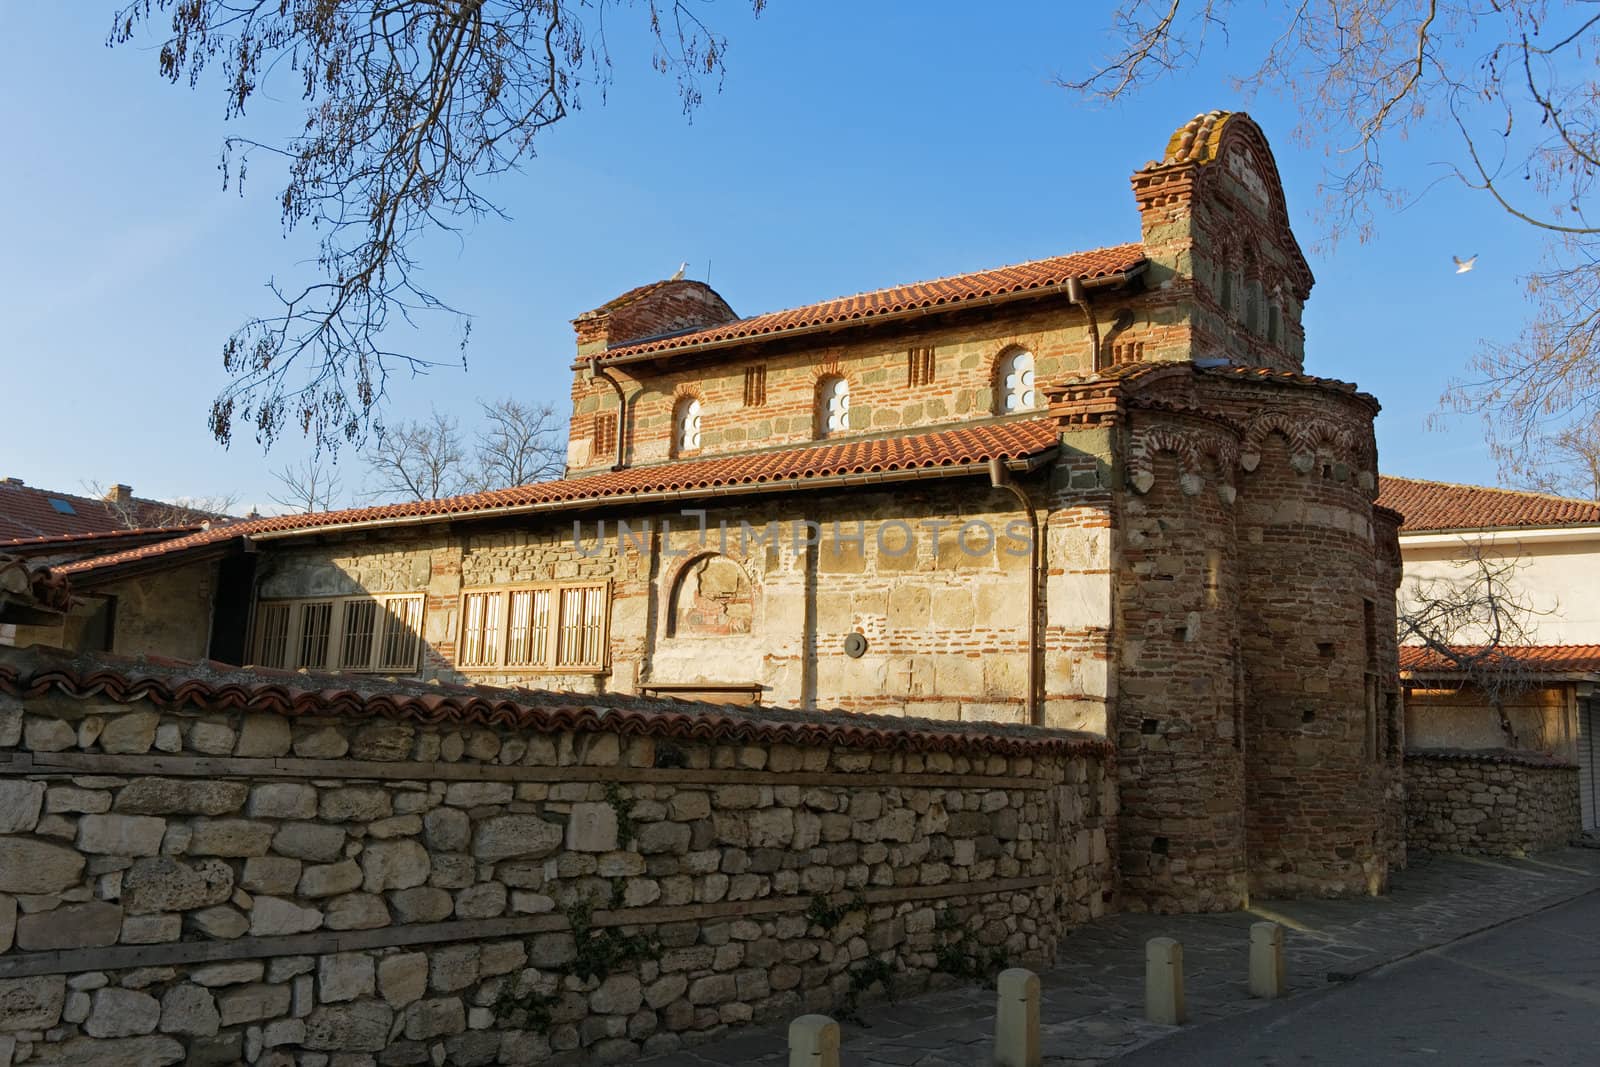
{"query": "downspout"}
{"type": "Point", "coordinates": [1000, 478]}
{"type": "Point", "coordinates": [1077, 296]}
{"type": "Point", "coordinates": [597, 371]}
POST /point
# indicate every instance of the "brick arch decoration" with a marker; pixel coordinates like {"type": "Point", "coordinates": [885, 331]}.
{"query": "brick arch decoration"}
{"type": "Point", "coordinates": [1192, 448]}
{"type": "Point", "coordinates": [711, 595]}
{"type": "Point", "coordinates": [1307, 438]}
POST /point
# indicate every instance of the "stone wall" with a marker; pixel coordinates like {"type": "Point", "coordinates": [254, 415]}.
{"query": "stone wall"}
{"type": "Point", "coordinates": [269, 868]}
{"type": "Point", "coordinates": [1490, 803]}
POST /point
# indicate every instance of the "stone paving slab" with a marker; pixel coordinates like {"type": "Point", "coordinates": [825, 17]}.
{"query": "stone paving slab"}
{"type": "Point", "coordinates": [1092, 1000]}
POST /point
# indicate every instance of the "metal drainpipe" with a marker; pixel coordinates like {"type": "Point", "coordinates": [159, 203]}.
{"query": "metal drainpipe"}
{"type": "Point", "coordinates": [1077, 296]}
{"type": "Point", "coordinates": [1000, 478]}
{"type": "Point", "coordinates": [622, 413]}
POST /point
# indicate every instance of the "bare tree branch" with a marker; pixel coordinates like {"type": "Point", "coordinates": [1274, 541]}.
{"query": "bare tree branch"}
{"type": "Point", "coordinates": [519, 443]}
{"type": "Point", "coordinates": [309, 486]}
{"type": "Point", "coordinates": [410, 106]}
{"type": "Point", "coordinates": [418, 461]}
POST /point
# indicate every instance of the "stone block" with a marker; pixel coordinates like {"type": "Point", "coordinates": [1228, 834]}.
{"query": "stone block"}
{"type": "Point", "coordinates": [131, 732]}
{"type": "Point", "coordinates": [345, 976]}
{"type": "Point", "coordinates": [619, 994]}
{"type": "Point", "coordinates": [263, 735]}
{"type": "Point", "coordinates": [483, 901]}
{"type": "Point", "coordinates": [478, 794]}
{"type": "Point", "coordinates": [212, 738]}
{"type": "Point", "coordinates": [592, 828]}
{"type": "Point", "coordinates": [506, 836]}
{"type": "Point", "coordinates": [31, 1003]}
{"type": "Point", "coordinates": [87, 925]}
{"type": "Point", "coordinates": [403, 979]}
{"type": "Point", "coordinates": [151, 929]}
{"type": "Point", "coordinates": [446, 830]}
{"type": "Point", "coordinates": [326, 743]}
{"type": "Point", "coordinates": [191, 1010]}
{"type": "Point", "coordinates": [29, 866]}
{"type": "Point", "coordinates": [270, 916]}
{"type": "Point", "coordinates": [355, 804]}
{"type": "Point", "coordinates": [252, 1003]}
{"type": "Point", "coordinates": [71, 799]}
{"type": "Point", "coordinates": [8, 921]}
{"type": "Point", "coordinates": [220, 921]}
{"type": "Point", "coordinates": [121, 835]}
{"type": "Point", "coordinates": [382, 741]}
{"type": "Point", "coordinates": [309, 841]}
{"type": "Point", "coordinates": [421, 904]}
{"type": "Point", "coordinates": [283, 800]}
{"type": "Point", "coordinates": [393, 865]}
{"type": "Point", "coordinates": [435, 1018]}
{"type": "Point", "coordinates": [121, 1013]}
{"type": "Point", "coordinates": [356, 911]}
{"type": "Point", "coordinates": [48, 735]}
{"type": "Point", "coordinates": [231, 837]}
{"type": "Point", "coordinates": [234, 972]}
{"type": "Point", "coordinates": [20, 801]}
{"type": "Point", "coordinates": [328, 880]}
{"type": "Point", "coordinates": [190, 796]}
{"type": "Point", "coordinates": [276, 875]}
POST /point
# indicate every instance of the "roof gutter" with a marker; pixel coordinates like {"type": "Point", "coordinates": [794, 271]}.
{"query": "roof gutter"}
{"type": "Point", "coordinates": [1105, 281]}
{"type": "Point", "coordinates": [1497, 535]}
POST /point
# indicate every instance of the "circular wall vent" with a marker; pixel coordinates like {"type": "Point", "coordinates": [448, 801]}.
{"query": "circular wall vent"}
{"type": "Point", "coordinates": [855, 645]}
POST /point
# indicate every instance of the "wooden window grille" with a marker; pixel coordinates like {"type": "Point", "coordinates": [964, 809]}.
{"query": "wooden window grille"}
{"type": "Point", "coordinates": [755, 386]}
{"type": "Point", "coordinates": [919, 366]}
{"type": "Point", "coordinates": [360, 633]}
{"type": "Point", "coordinates": [604, 436]}
{"type": "Point", "coordinates": [547, 627]}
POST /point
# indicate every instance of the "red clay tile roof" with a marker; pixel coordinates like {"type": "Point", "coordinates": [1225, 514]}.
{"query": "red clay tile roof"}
{"type": "Point", "coordinates": [99, 540]}
{"type": "Point", "coordinates": [28, 511]}
{"type": "Point", "coordinates": [1543, 659]}
{"type": "Point", "coordinates": [780, 469]}
{"type": "Point", "coordinates": [209, 686]}
{"type": "Point", "coordinates": [937, 293]}
{"type": "Point", "coordinates": [1439, 506]}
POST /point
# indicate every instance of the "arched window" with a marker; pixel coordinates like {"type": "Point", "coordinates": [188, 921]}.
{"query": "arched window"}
{"type": "Point", "coordinates": [686, 426]}
{"type": "Point", "coordinates": [1013, 382]}
{"type": "Point", "coordinates": [833, 406]}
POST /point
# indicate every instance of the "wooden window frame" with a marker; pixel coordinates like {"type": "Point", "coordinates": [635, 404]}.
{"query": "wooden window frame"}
{"type": "Point", "coordinates": [549, 661]}
{"type": "Point", "coordinates": [379, 641]}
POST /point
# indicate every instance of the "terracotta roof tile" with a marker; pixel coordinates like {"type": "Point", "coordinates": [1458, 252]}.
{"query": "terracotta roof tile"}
{"type": "Point", "coordinates": [1548, 659]}
{"type": "Point", "coordinates": [779, 469]}
{"type": "Point", "coordinates": [1440, 506]}
{"type": "Point", "coordinates": [939, 292]}
{"type": "Point", "coordinates": [91, 541]}
{"type": "Point", "coordinates": [217, 687]}
{"type": "Point", "coordinates": [28, 511]}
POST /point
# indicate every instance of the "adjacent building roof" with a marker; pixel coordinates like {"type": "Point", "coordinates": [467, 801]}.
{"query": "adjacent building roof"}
{"type": "Point", "coordinates": [208, 686]}
{"type": "Point", "coordinates": [27, 511]}
{"type": "Point", "coordinates": [1540, 659]}
{"type": "Point", "coordinates": [1438, 507]}
{"type": "Point", "coordinates": [938, 293]}
{"type": "Point", "coordinates": [862, 460]}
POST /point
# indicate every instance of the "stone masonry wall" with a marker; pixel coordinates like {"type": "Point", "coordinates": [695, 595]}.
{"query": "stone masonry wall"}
{"type": "Point", "coordinates": [1489, 803]}
{"type": "Point", "coordinates": [186, 879]}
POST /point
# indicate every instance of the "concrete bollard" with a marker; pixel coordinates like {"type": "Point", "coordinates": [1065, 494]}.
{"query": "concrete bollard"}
{"type": "Point", "coordinates": [1163, 981]}
{"type": "Point", "coordinates": [813, 1042]}
{"type": "Point", "coordinates": [1268, 977]}
{"type": "Point", "coordinates": [1016, 1019]}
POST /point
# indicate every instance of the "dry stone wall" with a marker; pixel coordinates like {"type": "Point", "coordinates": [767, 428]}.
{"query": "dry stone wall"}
{"type": "Point", "coordinates": [184, 879]}
{"type": "Point", "coordinates": [1489, 803]}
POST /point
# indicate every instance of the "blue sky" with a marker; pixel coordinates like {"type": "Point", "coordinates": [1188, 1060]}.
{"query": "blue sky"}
{"type": "Point", "coordinates": [853, 146]}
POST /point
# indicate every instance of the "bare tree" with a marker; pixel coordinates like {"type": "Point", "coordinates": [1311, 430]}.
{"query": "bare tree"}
{"type": "Point", "coordinates": [1566, 462]}
{"type": "Point", "coordinates": [1515, 79]}
{"type": "Point", "coordinates": [309, 486]}
{"type": "Point", "coordinates": [410, 105]}
{"type": "Point", "coordinates": [418, 461]}
{"type": "Point", "coordinates": [1472, 621]}
{"type": "Point", "coordinates": [518, 443]}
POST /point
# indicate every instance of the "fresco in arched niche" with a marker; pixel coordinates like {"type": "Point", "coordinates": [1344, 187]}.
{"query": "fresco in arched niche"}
{"type": "Point", "coordinates": [713, 597]}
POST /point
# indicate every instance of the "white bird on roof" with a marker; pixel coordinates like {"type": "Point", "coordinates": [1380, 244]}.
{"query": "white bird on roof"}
{"type": "Point", "coordinates": [1464, 265]}
{"type": "Point", "coordinates": [678, 277]}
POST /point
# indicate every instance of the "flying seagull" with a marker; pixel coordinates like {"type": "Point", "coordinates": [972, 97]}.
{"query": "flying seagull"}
{"type": "Point", "coordinates": [678, 277]}
{"type": "Point", "coordinates": [1464, 265]}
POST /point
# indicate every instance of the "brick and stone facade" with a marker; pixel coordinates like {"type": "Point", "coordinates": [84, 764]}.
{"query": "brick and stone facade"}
{"type": "Point", "coordinates": [854, 505]}
{"type": "Point", "coordinates": [213, 868]}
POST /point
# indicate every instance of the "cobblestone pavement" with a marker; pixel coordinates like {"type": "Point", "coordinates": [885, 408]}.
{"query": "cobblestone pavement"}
{"type": "Point", "coordinates": [1093, 997]}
